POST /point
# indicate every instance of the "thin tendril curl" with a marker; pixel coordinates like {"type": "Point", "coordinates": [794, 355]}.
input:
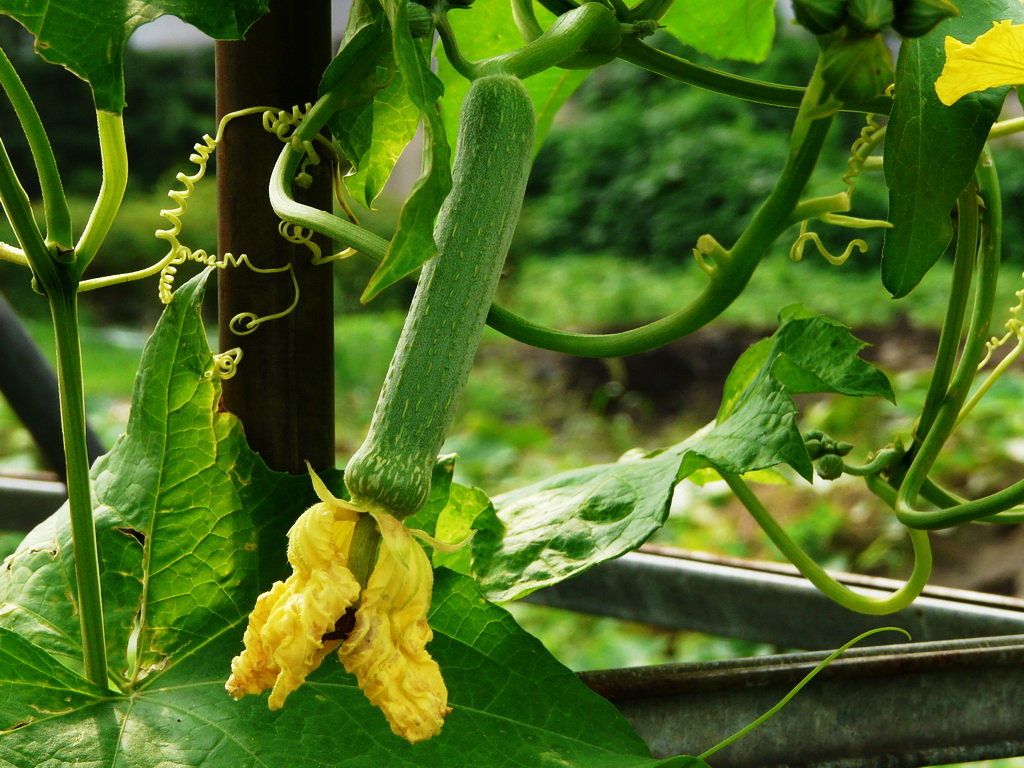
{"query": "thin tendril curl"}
{"type": "Point", "coordinates": [871, 133]}
{"type": "Point", "coordinates": [280, 123]}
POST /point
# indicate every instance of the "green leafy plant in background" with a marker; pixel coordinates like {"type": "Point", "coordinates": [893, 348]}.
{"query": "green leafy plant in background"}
{"type": "Point", "coordinates": [120, 615]}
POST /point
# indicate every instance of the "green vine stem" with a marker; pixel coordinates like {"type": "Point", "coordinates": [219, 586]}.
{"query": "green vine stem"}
{"type": "Point", "coordinates": [58, 281]}
{"type": "Point", "coordinates": [668, 65]}
{"type": "Point", "coordinates": [64, 309]}
{"type": "Point", "coordinates": [18, 209]}
{"type": "Point", "coordinates": [115, 178]}
{"type": "Point", "coordinates": [526, 20]}
{"type": "Point", "coordinates": [964, 262]}
{"type": "Point", "coordinates": [973, 351]}
{"type": "Point", "coordinates": [592, 25]}
{"type": "Point", "coordinates": [760, 720]}
{"type": "Point", "coordinates": [814, 573]}
{"type": "Point", "coordinates": [55, 204]}
{"type": "Point", "coordinates": [729, 274]}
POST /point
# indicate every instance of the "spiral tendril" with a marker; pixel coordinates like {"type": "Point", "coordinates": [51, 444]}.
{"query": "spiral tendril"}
{"type": "Point", "coordinates": [225, 364]}
{"type": "Point", "coordinates": [871, 133]}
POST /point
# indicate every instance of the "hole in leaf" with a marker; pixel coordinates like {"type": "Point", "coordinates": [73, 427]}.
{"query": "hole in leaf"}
{"type": "Point", "coordinates": [139, 536]}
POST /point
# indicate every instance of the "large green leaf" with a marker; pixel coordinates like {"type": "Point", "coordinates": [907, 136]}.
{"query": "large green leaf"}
{"type": "Point", "coordinates": [486, 30]}
{"type": "Point", "coordinates": [512, 705]}
{"type": "Point", "coordinates": [377, 119]}
{"type": "Point", "coordinates": [89, 36]}
{"type": "Point", "coordinates": [187, 517]}
{"type": "Point", "coordinates": [570, 522]}
{"type": "Point", "coordinates": [392, 120]}
{"type": "Point", "coordinates": [931, 149]}
{"type": "Point", "coordinates": [413, 241]}
{"type": "Point", "coordinates": [363, 66]}
{"type": "Point", "coordinates": [726, 29]}
{"type": "Point", "coordinates": [178, 454]}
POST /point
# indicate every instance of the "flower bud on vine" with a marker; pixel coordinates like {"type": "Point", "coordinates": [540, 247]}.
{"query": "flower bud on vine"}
{"type": "Point", "coordinates": [914, 18]}
{"type": "Point", "coordinates": [820, 16]}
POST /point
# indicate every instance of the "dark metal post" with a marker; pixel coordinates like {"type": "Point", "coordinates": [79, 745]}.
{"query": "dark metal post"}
{"type": "Point", "coordinates": [284, 389]}
{"type": "Point", "coordinates": [30, 385]}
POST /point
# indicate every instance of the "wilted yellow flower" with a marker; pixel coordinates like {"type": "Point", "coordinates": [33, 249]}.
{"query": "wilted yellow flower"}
{"type": "Point", "coordinates": [386, 651]}
{"type": "Point", "coordinates": [994, 58]}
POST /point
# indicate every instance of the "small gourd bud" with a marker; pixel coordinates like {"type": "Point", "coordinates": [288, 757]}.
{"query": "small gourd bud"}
{"type": "Point", "coordinates": [914, 18]}
{"type": "Point", "coordinates": [421, 23]}
{"type": "Point", "coordinates": [814, 434]}
{"type": "Point", "coordinates": [841, 448]}
{"type": "Point", "coordinates": [830, 467]}
{"type": "Point", "coordinates": [871, 15]}
{"type": "Point", "coordinates": [815, 449]}
{"type": "Point", "coordinates": [820, 16]}
{"type": "Point", "coordinates": [857, 68]}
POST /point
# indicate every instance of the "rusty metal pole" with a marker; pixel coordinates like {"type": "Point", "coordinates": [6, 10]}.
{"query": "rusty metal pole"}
{"type": "Point", "coordinates": [284, 389]}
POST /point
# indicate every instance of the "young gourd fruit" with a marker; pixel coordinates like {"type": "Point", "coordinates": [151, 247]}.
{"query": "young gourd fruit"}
{"type": "Point", "coordinates": [391, 470]}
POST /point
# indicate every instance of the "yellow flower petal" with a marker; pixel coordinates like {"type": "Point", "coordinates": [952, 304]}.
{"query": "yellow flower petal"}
{"type": "Point", "coordinates": [994, 58]}
{"type": "Point", "coordinates": [284, 639]}
{"type": "Point", "coordinates": [387, 649]}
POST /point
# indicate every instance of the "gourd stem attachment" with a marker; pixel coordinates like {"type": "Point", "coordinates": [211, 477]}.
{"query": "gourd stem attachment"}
{"type": "Point", "coordinates": [814, 573]}
{"type": "Point", "coordinates": [526, 20]}
{"type": "Point", "coordinates": [590, 25]}
{"type": "Point", "coordinates": [55, 204]}
{"type": "Point", "coordinates": [114, 156]}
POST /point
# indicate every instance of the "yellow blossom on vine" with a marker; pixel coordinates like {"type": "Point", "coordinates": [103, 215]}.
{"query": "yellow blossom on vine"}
{"type": "Point", "coordinates": [386, 651]}
{"type": "Point", "coordinates": [995, 58]}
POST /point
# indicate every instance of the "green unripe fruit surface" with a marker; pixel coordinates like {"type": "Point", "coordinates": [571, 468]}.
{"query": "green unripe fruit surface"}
{"type": "Point", "coordinates": [391, 470]}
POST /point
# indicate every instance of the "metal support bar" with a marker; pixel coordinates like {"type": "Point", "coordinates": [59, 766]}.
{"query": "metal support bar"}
{"type": "Point", "coordinates": [29, 384]}
{"type": "Point", "coordinates": [767, 602]}
{"type": "Point", "coordinates": [894, 706]}
{"type": "Point", "coordinates": [24, 502]}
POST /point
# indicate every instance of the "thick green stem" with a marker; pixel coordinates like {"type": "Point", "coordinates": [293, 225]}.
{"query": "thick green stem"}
{"type": "Point", "coordinates": [814, 573]}
{"type": "Point", "coordinates": [731, 272]}
{"type": "Point", "coordinates": [18, 210]}
{"type": "Point", "coordinates": [960, 383]}
{"type": "Point", "coordinates": [956, 309]}
{"type": "Point", "coordinates": [666, 64]}
{"type": "Point", "coordinates": [55, 204]}
{"type": "Point", "coordinates": [64, 308]}
{"type": "Point", "coordinates": [726, 284]}
{"type": "Point", "coordinates": [114, 155]}
{"type": "Point", "coordinates": [591, 25]}
{"type": "Point", "coordinates": [294, 212]}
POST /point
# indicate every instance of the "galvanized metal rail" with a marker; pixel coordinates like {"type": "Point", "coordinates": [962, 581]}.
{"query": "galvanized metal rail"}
{"type": "Point", "coordinates": [891, 706]}
{"type": "Point", "coordinates": [767, 602]}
